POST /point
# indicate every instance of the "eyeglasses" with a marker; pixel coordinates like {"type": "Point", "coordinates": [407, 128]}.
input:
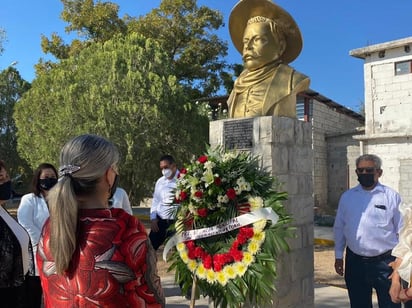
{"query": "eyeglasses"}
{"type": "Point", "coordinates": [115, 168]}
{"type": "Point", "coordinates": [367, 170]}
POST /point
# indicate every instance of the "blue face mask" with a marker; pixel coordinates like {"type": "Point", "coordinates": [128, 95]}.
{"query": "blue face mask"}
{"type": "Point", "coordinates": [5, 191]}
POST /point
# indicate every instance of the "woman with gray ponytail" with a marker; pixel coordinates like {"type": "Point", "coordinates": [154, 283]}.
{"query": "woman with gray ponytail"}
{"type": "Point", "coordinates": [90, 254]}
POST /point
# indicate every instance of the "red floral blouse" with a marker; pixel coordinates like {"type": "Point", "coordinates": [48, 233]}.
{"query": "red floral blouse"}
{"type": "Point", "coordinates": [113, 266]}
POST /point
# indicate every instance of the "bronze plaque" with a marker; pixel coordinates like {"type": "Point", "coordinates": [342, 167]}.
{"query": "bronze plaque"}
{"type": "Point", "coordinates": [238, 134]}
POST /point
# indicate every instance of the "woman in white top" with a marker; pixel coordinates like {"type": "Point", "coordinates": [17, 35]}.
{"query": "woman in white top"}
{"type": "Point", "coordinates": [120, 200]}
{"type": "Point", "coordinates": [33, 213]}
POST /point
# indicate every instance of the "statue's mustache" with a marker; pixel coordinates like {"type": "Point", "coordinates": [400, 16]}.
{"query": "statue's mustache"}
{"type": "Point", "coordinates": [249, 56]}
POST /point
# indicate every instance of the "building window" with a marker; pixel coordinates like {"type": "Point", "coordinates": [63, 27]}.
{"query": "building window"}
{"type": "Point", "coordinates": [303, 108]}
{"type": "Point", "coordinates": [404, 67]}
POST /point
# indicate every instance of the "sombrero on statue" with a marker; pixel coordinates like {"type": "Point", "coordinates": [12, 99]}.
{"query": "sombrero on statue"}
{"type": "Point", "coordinates": [246, 9]}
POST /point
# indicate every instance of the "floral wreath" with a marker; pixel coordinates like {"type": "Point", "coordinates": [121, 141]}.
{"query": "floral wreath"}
{"type": "Point", "coordinates": [230, 228]}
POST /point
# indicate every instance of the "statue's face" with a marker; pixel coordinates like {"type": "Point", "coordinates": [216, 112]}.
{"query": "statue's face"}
{"type": "Point", "coordinates": [259, 46]}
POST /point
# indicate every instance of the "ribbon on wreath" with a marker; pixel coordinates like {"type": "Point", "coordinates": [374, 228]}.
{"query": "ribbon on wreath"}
{"type": "Point", "coordinates": [224, 227]}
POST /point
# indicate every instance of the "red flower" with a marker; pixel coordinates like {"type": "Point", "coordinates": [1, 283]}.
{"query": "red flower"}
{"type": "Point", "coordinates": [198, 194]}
{"type": "Point", "coordinates": [246, 231]}
{"type": "Point", "coordinates": [200, 253]}
{"type": "Point", "coordinates": [202, 159]}
{"type": "Point", "coordinates": [218, 181]}
{"type": "Point", "coordinates": [182, 196]}
{"type": "Point", "coordinates": [183, 171]}
{"type": "Point", "coordinates": [202, 212]}
{"type": "Point", "coordinates": [244, 235]}
{"type": "Point", "coordinates": [237, 255]}
{"type": "Point", "coordinates": [190, 245]}
{"type": "Point", "coordinates": [231, 194]}
{"type": "Point", "coordinates": [218, 262]}
{"type": "Point", "coordinates": [207, 261]}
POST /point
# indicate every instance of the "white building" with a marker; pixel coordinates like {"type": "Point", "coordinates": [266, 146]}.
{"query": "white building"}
{"type": "Point", "coordinates": [388, 111]}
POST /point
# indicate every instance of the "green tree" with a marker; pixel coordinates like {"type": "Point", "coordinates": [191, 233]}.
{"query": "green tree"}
{"type": "Point", "coordinates": [12, 87]}
{"type": "Point", "coordinates": [186, 33]}
{"type": "Point", "coordinates": [93, 22]}
{"type": "Point", "coordinates": [122, 89]}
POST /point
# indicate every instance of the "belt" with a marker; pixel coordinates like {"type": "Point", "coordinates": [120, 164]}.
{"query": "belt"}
{"type": "Point", "coordinates": [167, 220]}
{"type": "Point", "coordinates": [371, 259]}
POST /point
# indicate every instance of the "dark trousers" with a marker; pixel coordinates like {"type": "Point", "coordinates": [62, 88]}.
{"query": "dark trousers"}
{"type": "Point", "coordinates": [158, 238]}
{"type": "Point", "coordinates": [28, 295]}
{"type": "Point", "coordinates": [34, 291]}
{"type": "Point", "coordinates": [363, 274]}
{"type": "Point", "coordinates": [13, 297]}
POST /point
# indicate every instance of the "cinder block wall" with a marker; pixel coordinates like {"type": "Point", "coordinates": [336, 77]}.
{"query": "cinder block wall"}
{"type": "Point", "coordinates": [330, 154]}
{"type": "Point", "coordinates": [285, 146]}
{"type": "Point", "coordinates": [396, 163]}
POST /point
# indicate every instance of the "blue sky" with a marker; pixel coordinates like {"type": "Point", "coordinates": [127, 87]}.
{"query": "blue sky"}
{"type": "Point", "coordinates": [330, 29]}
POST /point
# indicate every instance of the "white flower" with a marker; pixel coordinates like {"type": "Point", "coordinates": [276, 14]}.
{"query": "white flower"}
{"type": "Point", "coordinates": [223, 199]}
{"type": "Point", "coordinates": [240, 181]}
{"type": "Point", "coordinates": [228, 156]}
{"type": "Point", "coordinates": [209, 165]}
{"type": "Point", "coordinates": [208, 177]}
{"type": "Point", "coordinates": [246, 186]}
{"type": "Point", "coordinates": [238, 190]}
{"type": "Point", "coordinates": [192, 209]}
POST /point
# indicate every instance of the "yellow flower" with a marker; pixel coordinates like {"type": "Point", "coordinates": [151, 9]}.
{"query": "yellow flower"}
{"type": "Point", "coordinates": [248, 258]}
{"type": "Point", "coordinates": [240, 268]}
{"type": "Point", "coordinates": [201, 271]}
{"type": "Point", "coordinates": [222, 278]}
{"type": "Point", "coordinates": [210, 276]}
{"type": "Point", "coordinates": [259, 225]}
{"type": "Point", "coordinates": [255, 203]}
{"type": "Point", "coordinates": [229, 271]}
{"type": "Point", "coordinates": [184, 256]}
{"type": "Point", "coordinates": [181, 247]}
{"type": "Point", "coordinates": [192, 265]}
{"type": "Point", "coordinates": [253, 247]}
{"type": "Point", "coordinates": [259, 237]}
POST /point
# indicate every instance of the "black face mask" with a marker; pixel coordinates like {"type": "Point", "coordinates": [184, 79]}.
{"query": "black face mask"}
{"type": "Point", "coordinates": [366, 179]}
{"type": "Point", "coordinates": [48, 183]}
{"type": "Point", "coordinates": [114, 186]}
{"type": "Point", "coordinates": [5, 191]}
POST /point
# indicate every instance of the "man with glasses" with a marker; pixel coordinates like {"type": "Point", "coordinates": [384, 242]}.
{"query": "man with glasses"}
{"type": "Point", "coordinates": [367, 223]}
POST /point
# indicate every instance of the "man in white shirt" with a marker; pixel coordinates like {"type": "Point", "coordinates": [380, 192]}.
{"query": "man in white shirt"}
{"type": "Point", "coordinates": [162, 212]}
{"type": "Point", "coordinates": [367, 223]}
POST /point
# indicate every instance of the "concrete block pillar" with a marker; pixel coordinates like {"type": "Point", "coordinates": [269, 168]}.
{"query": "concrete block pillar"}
{"type": "Point", "coordinates": [285, 148]}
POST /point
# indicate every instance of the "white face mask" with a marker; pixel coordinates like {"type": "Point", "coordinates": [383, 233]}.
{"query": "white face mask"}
{"type": "Point", "coordinates": [167, 172]}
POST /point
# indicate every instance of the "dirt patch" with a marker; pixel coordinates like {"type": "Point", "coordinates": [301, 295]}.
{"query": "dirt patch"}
{"type": "Point", "coordinates": [324, 259]}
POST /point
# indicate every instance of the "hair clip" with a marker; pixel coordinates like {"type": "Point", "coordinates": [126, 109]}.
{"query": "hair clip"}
{"type": "Point", "coordinates": [68, 170]}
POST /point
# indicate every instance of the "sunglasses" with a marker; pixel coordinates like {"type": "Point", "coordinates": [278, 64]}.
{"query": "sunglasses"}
{"type": "Point", "coordinates": [366, 170]}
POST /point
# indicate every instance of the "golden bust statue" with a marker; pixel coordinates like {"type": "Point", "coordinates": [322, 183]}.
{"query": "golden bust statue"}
{"type": "Point", "coordinates": [268, 39]}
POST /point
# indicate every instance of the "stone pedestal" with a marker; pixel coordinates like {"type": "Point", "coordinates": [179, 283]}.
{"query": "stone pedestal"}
{"type": "Point", "coordinates": [285, 147]}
